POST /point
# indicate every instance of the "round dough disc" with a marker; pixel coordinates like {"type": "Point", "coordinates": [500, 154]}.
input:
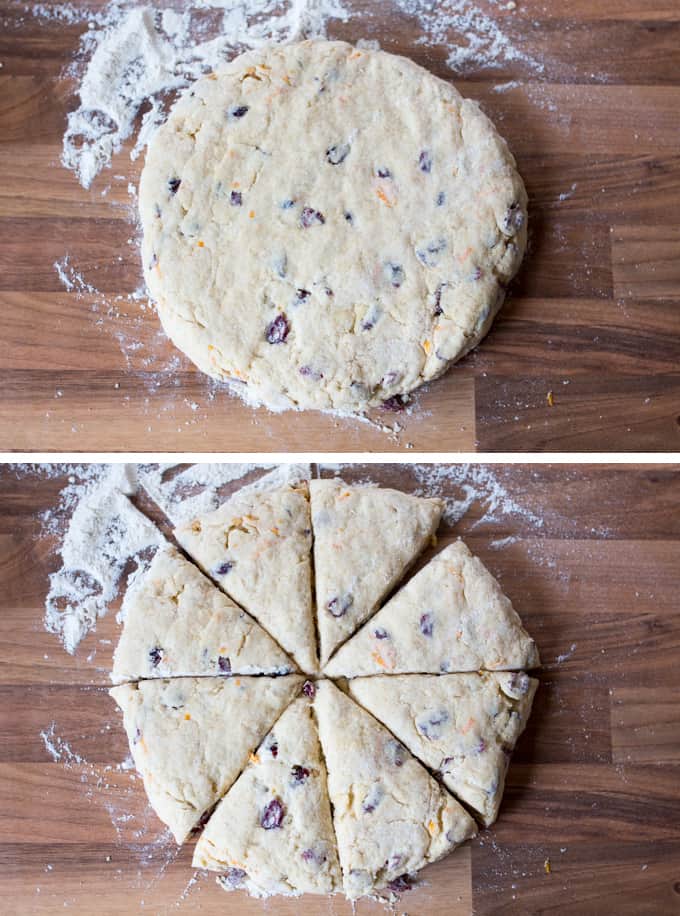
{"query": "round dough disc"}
{"type": "Point", "coordinates": [333, 227]}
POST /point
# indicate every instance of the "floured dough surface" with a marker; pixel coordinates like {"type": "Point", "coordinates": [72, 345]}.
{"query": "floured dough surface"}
{"type": "Point", "coordinates": [178, 623]}
{"type": "Point", "coordinates": [190, 737]}
{"type": "Point", "coordinates": [391, 818]}
{"type": "Point", "coordinates": [330, 226]}
{"type": "Point", "coordinates": [258, 547]}
{"type": "Point", "coordinates": [463, 726]}
{"type": "Point", "coordinates": [365, 538]}
{"type": "Point", "coordinates": [272, 832]}
{"type": "Point", "coordinates": [451, 616]}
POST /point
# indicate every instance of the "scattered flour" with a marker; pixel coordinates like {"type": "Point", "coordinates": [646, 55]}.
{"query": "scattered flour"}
{"type": "Point", "coordinates": [567, 655]}
{"type": "Point", "coordinates": [478, 484]}
{"type": "Point", "coordinates": [58, 748]}
{"type": "Point", "coordinates": [105, 531]}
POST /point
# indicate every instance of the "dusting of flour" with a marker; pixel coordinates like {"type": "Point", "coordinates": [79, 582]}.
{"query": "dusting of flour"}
{"type": "Point", "coordinates": [104, 532]}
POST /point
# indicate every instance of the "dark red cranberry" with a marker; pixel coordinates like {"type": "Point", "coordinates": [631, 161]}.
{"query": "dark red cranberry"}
{"type": "Point", "coordinates": [287, 204]}
{"type": "Point", "coordinates": [396, 275]}
{"type": "Point", "coordinates": [273, 749]}
{"type": "Point", "coordinates": [310, 217]}
{"type": "Point", "coordinates": [396, 403]}
{"type": "Point", "coordinates": [426, 624]}
{"type": "Point", "coordinates": [309, 689]}
{"type": "Point", "coordinates": [155, 656]}
{"type": "Point", "coordinates": [236, 198]}
{"type": "Point", "coordinates": [425, 161]}
{"type": "Point", "coordinates": [348, 217]}
{"type": "Point", "coordinates": [383, 173]}
{"type": "Point", "coordinates": [224, 664]}
{"type": "Point", "coordinates": [373, 799]}
{"type": "Point", "coordinates": [302, 294]}
{"type": "Point", "coordinates": [278, 330]}
{"type": "Point", "coordinates": [339, 606]}
{"type": "Point", "coordinates": [234, 877]}
{"type": "Point", "coordinates": [438, 310]}
{"type": "Point", "coordinates": [401, 884]}
{"type": "Point", "coordinates": [481, 747]}
{"type": "Point", "coordinates": [224, 568]}
{"type": "Point", "coordinates": [380, 633]}
{"type": "Point", "coordinates": [431, 728]}
{"type": "Point", "coordinates": [272, 816]}
{"type": "Point", "coordinates": [396, 753]}
{"type": "Point", "coordinates": [514, 218]}
{"type": "Point", "coordinates": [441, 199]}
{"type": "Point", "coordinates": [173, 185]}
{"type": "Point", "coordinates": [239, 111]}
{"type": "Point", "coordinates": [299, 774]}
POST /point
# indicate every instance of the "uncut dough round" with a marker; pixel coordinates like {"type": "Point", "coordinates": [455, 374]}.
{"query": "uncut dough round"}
{"type": "Point", "coordinates": [330, 226]}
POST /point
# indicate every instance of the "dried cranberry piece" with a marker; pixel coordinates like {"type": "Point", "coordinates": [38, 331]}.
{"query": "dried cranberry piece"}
{"type": "Point", "coordinates": [287, 204]}
{"type": "Point", "coordinates": [401, 884]}
{"type": "Point", "coordinates": [224, 664]}
{"type": "Point", "coordinates": [173, 185]}
{"type": "Point", "coordinates": [441, 199]}
{"type": "Point", "coordinates": [273, 749]}
{"type": "Point", "coordinates": [278, 330]}
{"type": "Point", "coordinates": [396, 752]}
{"type": "Point", "coordinates": [155, 656]}
{"type": "Point", "coordinates": [425, 161]}
{"type": "Point", "coordinates": [239, 111]}
{"type": "Point", "coordinates": [395, 274]}
{"type": "Point", "coordinates": [302, 294]}
{"type": "Point", "coordinates": [234, 877]}
{"type": "Point", "coordinates": [430, 728]}
{"type": "Point", "coordinates": [438, 310]}
{"type": "Point", "coordinates": [224, 568]}
{"type": "Point", "coordinates": [396, 402]}
{"type": "Point", "coordinates": [349, 217]}
{"type": "Point", "coordinates": [429, 255]}
{"type": "Point", "coordinates": [383, 173]}
{"type": "Point", "coordinates": [339, 606]}
{"type": "Point", "coordinates": [337, 153]}
{"type": "Point", "coordinates": [373, 799]}
{"type": "Point", "coordinates": [476, 274]}
{"type": "Point", "coordinates": [236, 198]}
{"type": "Point", "coordinates": [514, 218]}
{"type": "Point", "coordinates": [426, 624]}
{"type": "Point", "coordinates": [380, 633]}
{"type": "Point", "coordinates": [481, 747]}
{"type": "Point", "coordinates": [311, 217]}
{"type": "Point", "coordinates": [299, 774]}
{"type": "Point", "coordinates": [309, 689]}
{"type": "Point", "coordinates": [272, 816]}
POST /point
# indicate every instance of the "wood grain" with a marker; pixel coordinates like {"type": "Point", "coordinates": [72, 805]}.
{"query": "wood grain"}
{"type": "Point", "coordinates": [596, 135]}
{"type": "Point", "coordinates": [589, 556]}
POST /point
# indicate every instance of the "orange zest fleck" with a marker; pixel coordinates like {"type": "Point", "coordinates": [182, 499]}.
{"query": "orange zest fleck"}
{"type": "Point", "coordinates": [465, 255]}
{"type": "Point", "coordinates": [252, 214]}
{"type": "Point", "coordinates": [427, 346]}
{"type": "Point", "coordinates": [253, 757]}
{"type": "Point", "coordinates": [378, 659]}
{"type": "Point", "coordinates": [383, 197]}
{"type": "Point", "coordinates": [547, 866]}
{"type": "Point", "coordinates": [187, 716]}
{"type": "Point", "coordinates": [201, 244]}
{"type": "Point", "coordinates": [275, 531]}
{"type": "Point", "coordinates": [236, 184]}
{"type": "Point", "coordinates": [432, 827]}
{"type": "Point", "coordinates": [355, 55]}
{"type": "Point", "coordinates": [468, 725]}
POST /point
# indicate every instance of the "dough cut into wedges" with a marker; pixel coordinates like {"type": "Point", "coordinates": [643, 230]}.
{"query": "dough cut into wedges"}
{"type": "Point", "coordinates": [258, 547]}
{"type": "Point", "coordinates": [191, 737]}
{"type": "Point", "coordinates": [465, 726]}
{"type": "Point", "coordinates": [451, 616]}
{"type": "Point", "coordinates": [272, 832]}
{"type": "Point", "coordinates": [391, 817]}
{"type": "Point", "coordinates": [365, 538]}
{"type": "Point", "coordinates": [177, 623]}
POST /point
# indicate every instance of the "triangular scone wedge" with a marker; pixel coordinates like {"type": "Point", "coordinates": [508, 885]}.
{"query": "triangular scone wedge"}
{"type": "Point", "coordinates": [177, 623]}
{"type": "Point", "coordinates": [365, 538]}
{"type": "Point", "coordinates": [258, 546]}
{"type": "Point", "coordinates": [272, 832]}
{"type": "Point", "coordinates": [451, 616]}
{"type": "Point", "coordinates": [465, 726]}
{"type": "Point", "coordinates": [191, 737]}
{"type": "Point", "coordinates": [390, 816]}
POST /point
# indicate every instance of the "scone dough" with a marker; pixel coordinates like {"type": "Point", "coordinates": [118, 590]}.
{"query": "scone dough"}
{"type": "Point", "coordinates": [332, 227]}
{"type": "Point", "coordinates": [464, 726]}
{"type": "Point", "coordinates": [452, 616]}
{"type": "Point", "coordinates": [365, 538]}
{"type": "Point", "coordinates": [177, 623]}
{"type": "Point", "coordinates": [190, 737]}
{"type": "Point", "coordinates": [391, 818]}
{"type": "Point", "coordinates": [272, 832]}
{"type": "Point", "coordinates": [258, 547]}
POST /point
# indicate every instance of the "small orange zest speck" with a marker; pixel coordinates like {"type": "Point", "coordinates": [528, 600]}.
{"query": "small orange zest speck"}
{"type": "Point", "coordinates": [547, 866]}
{"type": "Point", "coordinates": [187, 716]}
{"type": "Point", "coordinates": [252, 214]}
{"type": "Point", "coordinates": [201, 244]}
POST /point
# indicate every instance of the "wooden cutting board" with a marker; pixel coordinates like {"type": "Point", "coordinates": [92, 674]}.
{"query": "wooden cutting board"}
{"type": "Point", "coordinates": [594, 785]}
{"type": "Point", "coordinates": [594, 316]}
